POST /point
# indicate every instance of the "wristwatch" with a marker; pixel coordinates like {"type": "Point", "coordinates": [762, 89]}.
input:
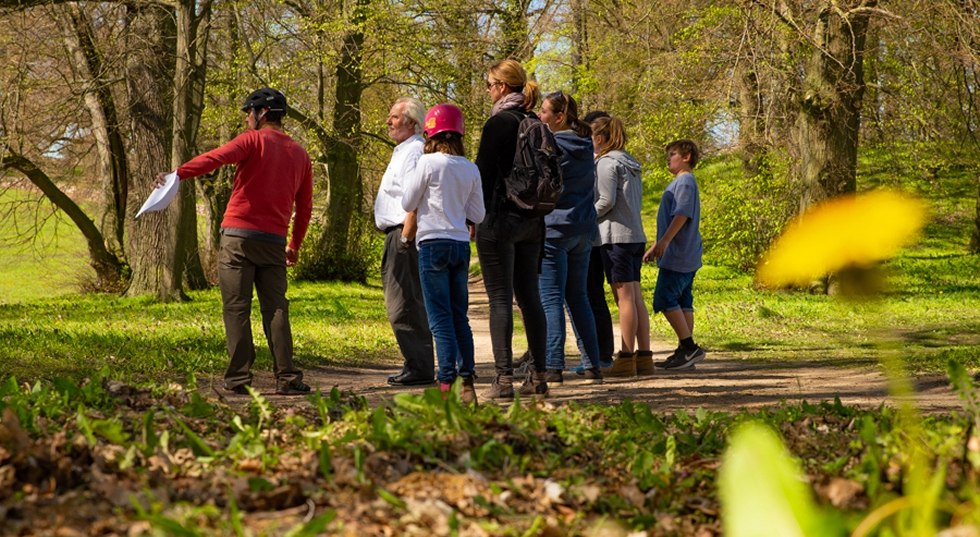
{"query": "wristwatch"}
{"type": "Point", "coordinates": [404, 239]}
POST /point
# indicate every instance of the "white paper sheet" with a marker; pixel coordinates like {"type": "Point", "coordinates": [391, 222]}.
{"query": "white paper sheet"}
{"type": "Point", "coordinates": [161, 196]}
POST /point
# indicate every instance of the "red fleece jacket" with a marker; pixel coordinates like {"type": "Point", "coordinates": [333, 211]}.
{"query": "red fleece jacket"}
{"type": "Point", "coordinates": [273, 174]}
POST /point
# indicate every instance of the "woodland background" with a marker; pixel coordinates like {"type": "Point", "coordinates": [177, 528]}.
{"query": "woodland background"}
{"type": "Point", "coordinates": [98, 97]}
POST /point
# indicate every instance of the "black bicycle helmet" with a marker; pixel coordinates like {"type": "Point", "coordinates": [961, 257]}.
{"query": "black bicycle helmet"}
{"type": "Point", "coordinates": [269, 98]}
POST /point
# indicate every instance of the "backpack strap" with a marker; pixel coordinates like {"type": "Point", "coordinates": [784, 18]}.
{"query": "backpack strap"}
{"type": "Point", "coordinates": [499, 188]}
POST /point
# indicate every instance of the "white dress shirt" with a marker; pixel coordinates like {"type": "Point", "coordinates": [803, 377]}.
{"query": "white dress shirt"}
{"type": "Point", "coordinates": [388, 210]}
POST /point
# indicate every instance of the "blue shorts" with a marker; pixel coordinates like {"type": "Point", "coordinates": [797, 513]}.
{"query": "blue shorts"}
{"type": "Point", "coordinates": [673, 291]}
{"type": "Point", "coordinates": [622, 262]}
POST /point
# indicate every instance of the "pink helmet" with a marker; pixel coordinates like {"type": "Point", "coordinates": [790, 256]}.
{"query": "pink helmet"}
{"type": "Point", "coordinates": [442, 118]}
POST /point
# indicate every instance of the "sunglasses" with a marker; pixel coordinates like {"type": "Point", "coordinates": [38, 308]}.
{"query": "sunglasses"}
{"type": "Point", "coordinates": [492, 84]}
{"type": "Point", "coordinates": [561, 98]}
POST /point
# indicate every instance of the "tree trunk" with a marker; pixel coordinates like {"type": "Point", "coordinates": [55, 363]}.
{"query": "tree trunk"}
{"type": "Point", "coordinates": [829, 119]}
{"type": "Point", "coordinates": [108, 267]}
{"type": "Point", "coordinates": [190, 71]}
{"type": "Point", "coordinates": [751, 131]}
{"type": "Point", "coordinates": [111, 150]}
{"type": "Point", "coordinates": [151, 240]}
{"type": "Point", "coordinates": [338, 254]}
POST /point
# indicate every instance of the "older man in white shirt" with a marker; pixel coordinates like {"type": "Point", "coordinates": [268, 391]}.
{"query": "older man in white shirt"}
{"type": "Point", "coordinates": [399, 264]}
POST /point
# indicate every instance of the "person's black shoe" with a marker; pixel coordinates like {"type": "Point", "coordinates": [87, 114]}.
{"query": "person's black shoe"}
{"type": "Point", "coordinates": [295, 387]}
{"type": "Point", "coordinates": [406, 378]}
{"type": "Point", "coordinates": [663, 364]}
{"type": "Point", "coordinates": [241, 389]}
{"type": "Point", "coordinates": [685, 359]}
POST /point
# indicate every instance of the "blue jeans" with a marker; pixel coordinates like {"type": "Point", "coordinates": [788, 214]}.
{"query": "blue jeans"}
{"type": "Point", "coordinates": [564, 273]}
{"type": "Point", "coordinates": [443, 269]}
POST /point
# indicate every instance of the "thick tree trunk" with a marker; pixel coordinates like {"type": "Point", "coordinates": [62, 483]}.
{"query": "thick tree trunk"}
{"type": "Point", "coordinates": [190, 71]}
{"type": "Point", "coordinates": [830, 105]}
{"type": "Point", "coordinates": [338, 254]}
{"type": "Point", "coordinates": [151, 240]}
{"type": "Point", "coordinates": [108, 267]}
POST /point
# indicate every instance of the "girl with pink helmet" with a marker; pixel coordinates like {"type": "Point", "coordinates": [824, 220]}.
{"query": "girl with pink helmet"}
{"type": "Point", "coordinates": [447, 193]}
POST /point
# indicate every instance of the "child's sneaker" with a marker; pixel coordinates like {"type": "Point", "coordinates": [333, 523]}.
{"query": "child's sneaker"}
{"type": "Point", "coordinates": [663, 363]}
{"type": "Point", "coordinates": [685, 359]}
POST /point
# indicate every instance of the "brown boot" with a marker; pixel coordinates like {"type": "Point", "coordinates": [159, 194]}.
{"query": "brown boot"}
{"type": "Point", "coordinates": [502, 387]}
{"type": "Point", "coordinates": [623, 366]}
{"type": "Point", "coordinates": [467, 392]}
{"type": "Point", "coordinates": [535, 385]}
{"type": "Point", "coordinates": [644, 363]}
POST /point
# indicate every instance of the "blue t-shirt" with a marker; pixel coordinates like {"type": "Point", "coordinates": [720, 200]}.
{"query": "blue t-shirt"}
{"type": "Point", "coordinates": [681, 198]}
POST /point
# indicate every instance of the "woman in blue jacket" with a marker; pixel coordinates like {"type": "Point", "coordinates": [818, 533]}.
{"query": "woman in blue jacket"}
{"type": "Point", "coordinates": [569, 232]}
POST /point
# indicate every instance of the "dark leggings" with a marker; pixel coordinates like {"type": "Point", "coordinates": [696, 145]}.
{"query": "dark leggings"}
{"type": "Point", "coordinates": [509, 247]}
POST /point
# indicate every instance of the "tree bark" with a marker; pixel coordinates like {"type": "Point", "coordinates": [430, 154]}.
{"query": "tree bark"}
{"type": "Point", "coordinates": [338, 253]}
{"type": "Point", "coordinates": [111, 150]}
{"type": "Point", "coordinates": [829, 118]}
{"type": "Point", "coordinates": [152, 239]}
{"type": "Point", "coordinates": [190, 72]}
{"type": "Point", "coordinates": [108, 267]}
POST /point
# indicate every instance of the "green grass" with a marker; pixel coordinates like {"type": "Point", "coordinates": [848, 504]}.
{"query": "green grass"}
{"type": "Point", "coordinates": [139, 338]}
{"type": "Point", "coordinates": [41, 254]}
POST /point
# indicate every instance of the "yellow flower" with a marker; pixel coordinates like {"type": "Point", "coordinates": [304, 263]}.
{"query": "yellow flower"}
{"type": "Point", "coordinates": [848, 231]}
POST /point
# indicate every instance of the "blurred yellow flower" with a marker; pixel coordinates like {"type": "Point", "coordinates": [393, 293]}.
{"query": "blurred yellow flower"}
{"type": "Point", "coordinates": [848, 231]}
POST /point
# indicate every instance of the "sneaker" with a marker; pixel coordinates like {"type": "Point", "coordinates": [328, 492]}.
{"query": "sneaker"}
{"type": "Point", "coordinates": [686, 359]}
{"type": "Point", "coordinates": [444, 389]}
{"type": "Point", "coordinates": [644, 363]}
{"type": "Point", "coordinates": [295, 387]}
{"type": "Point", "coordinates": [502, 387]}
{"type": "Point", "coordinates": [663, 363]}
{"type": "Point", "coordinates": [535, 385]}
{"type": "Point", "coordinates": [554, 376]}
{"type": "Point", "coordinates": [467, 394]}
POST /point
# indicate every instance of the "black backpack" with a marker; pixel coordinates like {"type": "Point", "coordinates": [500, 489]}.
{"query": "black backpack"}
{"type": "Point", "coordinates": [534, 184]}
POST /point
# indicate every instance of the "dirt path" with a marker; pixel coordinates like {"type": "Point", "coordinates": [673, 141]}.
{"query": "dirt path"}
{"type": "Point", "coordinates": [718, 383]}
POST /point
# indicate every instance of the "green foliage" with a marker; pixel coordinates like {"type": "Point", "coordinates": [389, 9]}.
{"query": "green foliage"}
{"type": "Point", "coordinates": [763, 492]}
{"type": "Point", "coordinates": [742, 215]}
{"type": "Point", "coordinates": [621, 463]}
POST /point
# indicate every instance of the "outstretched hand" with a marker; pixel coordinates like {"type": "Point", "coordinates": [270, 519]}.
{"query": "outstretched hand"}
{"type": "Point", "coordinates": [160, 180]}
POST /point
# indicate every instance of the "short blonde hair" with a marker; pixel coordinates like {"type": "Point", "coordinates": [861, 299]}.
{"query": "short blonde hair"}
{"type": "Point", "coordinates": [513, 75]}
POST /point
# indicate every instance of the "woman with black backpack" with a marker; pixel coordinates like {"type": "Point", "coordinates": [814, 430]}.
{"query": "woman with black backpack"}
{"type": "Point", "coordinates": [509, 242]}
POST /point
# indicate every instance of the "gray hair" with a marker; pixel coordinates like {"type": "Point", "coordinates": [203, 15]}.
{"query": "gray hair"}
{"type": "Point", "coordinates": [414, 110]}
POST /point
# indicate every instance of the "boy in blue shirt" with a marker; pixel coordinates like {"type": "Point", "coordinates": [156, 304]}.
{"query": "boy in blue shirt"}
{"type": "Point", "coordinates": [678, 252]}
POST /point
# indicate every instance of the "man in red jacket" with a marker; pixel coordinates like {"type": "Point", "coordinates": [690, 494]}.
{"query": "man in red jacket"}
{"type": "Point", "coordinates": [273, 176]}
